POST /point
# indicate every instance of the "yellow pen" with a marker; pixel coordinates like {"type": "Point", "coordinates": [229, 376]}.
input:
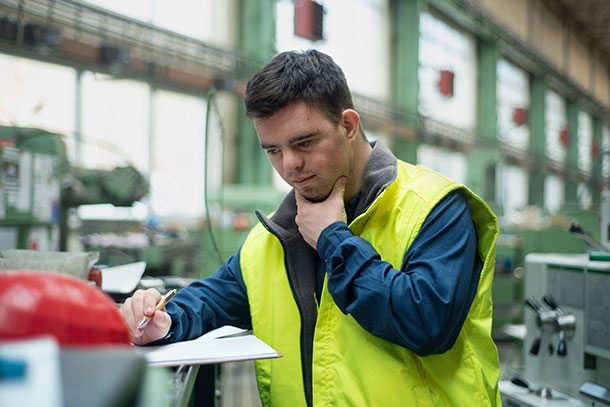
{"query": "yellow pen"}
{"type": "Point", "coordinates": [160, 305]}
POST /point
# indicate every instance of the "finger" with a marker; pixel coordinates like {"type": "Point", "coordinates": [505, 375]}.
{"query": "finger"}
{"type": "Point", "coordinates": [127, 312]}
{"type": "Point", "coordinates": [137, 304]}
{"type": "Point", "coordinates": [151, 298]}
{"type": "Point", "coordinates": [161, 320]}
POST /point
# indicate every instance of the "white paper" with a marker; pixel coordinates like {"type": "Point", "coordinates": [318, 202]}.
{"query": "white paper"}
{"type": "Point", "coordinates": [41, 384]}
{"type": "Point", "coordinates": [210, 348]}
{"type": "Point", "coordinates": [122, 279]}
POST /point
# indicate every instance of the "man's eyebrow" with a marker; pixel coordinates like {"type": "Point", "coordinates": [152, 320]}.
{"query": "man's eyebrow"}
{"type": "Point", "coordinates": [301, 138]}
{"type": "Point", "coordinates": [292, 140]}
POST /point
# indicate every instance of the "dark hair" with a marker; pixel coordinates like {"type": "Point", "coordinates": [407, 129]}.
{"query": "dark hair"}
{"type": "Point", "coordinates": [310, 76]}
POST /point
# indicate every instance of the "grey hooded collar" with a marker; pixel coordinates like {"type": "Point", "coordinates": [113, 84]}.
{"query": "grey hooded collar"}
{"type": "Point", "coordinates": [380, 171]}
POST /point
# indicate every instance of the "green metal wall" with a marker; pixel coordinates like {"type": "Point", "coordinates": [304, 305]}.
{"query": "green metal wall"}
{"type": "Point", "coordinates": [257, 40]}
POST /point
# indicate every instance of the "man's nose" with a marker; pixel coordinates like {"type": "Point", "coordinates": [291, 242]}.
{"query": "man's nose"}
{"type": "Point", "coordinates": [292, 160]}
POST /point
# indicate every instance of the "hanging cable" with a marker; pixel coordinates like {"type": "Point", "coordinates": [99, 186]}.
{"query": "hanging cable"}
{"type": "Point", "coordinates": [211, 102]}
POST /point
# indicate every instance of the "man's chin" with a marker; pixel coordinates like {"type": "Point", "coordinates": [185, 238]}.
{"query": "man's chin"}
{"type": "Point", "coordinates": [314, 198]}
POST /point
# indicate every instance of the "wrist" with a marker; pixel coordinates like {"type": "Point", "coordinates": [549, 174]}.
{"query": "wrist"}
{"type": "Point", "coordinates": [331, 237]}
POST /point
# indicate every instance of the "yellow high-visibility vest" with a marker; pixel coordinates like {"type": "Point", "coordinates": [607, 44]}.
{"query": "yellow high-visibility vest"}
{"type": "Point", "coordinates": [351, 367]}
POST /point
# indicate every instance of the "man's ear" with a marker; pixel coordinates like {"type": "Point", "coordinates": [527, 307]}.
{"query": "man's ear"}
{"type": "Point", "coordinates": [350, 120]}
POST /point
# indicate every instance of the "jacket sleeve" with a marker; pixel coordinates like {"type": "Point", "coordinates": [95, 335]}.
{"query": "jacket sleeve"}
{"type": "Point", "coordinates": [423, 305]}
{"type": "Point", "coordinates": [210, 303]}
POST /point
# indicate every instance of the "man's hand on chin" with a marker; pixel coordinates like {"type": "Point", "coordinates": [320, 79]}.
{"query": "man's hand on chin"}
{"type": "Point", "coordinates": [313, 218]}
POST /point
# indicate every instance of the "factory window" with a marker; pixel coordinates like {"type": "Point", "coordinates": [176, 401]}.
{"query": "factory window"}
{"type": "Point", "coordinates": [177, 165]}
{"type": "Point", "coordinates": [37, 94]}
{"type": "Point", "coordinates": [553, 193]}
{"type": "Point", "coordinates": [513, 104]}
{"type": "Point", "coordinates": [511, 190]}
{"type": "Point", "coordinates": [137, 9]}
{"type": "Point", "coordinates": [447, 55]}
{"type": "Point", "coordinates": [584, 195]}
{"type": "Point", "coordinates": [450, 163]}
{"type": "Point", "coordinates": [206, 20]}
{"type": "Point", "coordinates": [114, 122]}
{"type": "Point", "coordinates": [366, 70]}
{"type": "Point", "coordinates": [585, 140]}
{"type": "Point", "coordinates": [555, 122]}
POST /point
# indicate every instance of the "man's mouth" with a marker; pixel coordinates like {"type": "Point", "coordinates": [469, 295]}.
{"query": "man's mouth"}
{"type": "Point", "coordinates": [301, 181]}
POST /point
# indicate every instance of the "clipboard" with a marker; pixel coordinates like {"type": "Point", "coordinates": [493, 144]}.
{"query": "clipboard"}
{"type": "Point", "coordinates": [225, 344]}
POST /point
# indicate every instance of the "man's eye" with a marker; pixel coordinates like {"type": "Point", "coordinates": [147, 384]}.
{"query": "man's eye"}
{"type": "Point", "coordinates": [304, 143]}
{"type": "Point", "coordinates": [272, 151]}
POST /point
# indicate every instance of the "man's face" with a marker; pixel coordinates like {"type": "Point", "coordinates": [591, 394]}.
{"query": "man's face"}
{"type": "Point", "coordinates": [308, 150]}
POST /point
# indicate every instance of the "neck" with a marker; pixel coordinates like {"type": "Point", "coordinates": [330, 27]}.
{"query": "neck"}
{"type": "Point", "coordinates": [360, 157]}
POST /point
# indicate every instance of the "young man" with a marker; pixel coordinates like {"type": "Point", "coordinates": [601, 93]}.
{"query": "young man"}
{"type": "Point", "coordinates": [373, 276]}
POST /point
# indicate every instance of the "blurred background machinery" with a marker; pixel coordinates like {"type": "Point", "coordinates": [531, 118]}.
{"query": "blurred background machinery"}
{"type": "Point", "coordinates": [43, 192]}
{"type": "Point", "coordinates": [563, 346]}
{"type": "Point", "coordinates": [566, 347]}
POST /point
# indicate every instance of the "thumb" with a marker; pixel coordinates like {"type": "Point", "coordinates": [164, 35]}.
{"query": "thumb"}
{"type": "Point", "coordinates": [339, 187]}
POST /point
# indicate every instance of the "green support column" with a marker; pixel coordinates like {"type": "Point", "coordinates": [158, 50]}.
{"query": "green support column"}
{"type": "Point", "coordinates": [405, 69]}
{"type": "Point", "coordinates": [257, 41]}
{"type": "Point", "coordinates": [537, 142]}
{"type": "Point", "coordinates": [482, 160]}
{"type": "Point", "coordinates": [487, 116]}
{"type": "Point", "coordinates": [596, 170]}
{"type": "Point", "coordinates": [571, 185]}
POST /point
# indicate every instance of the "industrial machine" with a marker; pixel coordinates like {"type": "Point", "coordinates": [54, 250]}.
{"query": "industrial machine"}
{"type": "Point", "coordinates": [37, 186]}
{"type": "Point", "coordinates": [566, 348]}
{"type": "Point", "coordinates": [567, 343]}
{"type": "Point", "coordinates": [567, 325]}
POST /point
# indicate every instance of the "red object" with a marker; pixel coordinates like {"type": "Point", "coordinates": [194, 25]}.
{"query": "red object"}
{"type": "Point", "coordinates": [594, 150]}
{"type": "Point", "coordinates": [445, 83]}
{"type": "Point", "coordinates": [308, 20]}
{"type": "Point", "coordinates": [7, 142]}
{"type": "Point", "coordinates": [564, 136]}
{"type": "Point", "coordinates": [520, 116]}
{"type": "Point", "coordinates": [34, 303]}
{"type": "Point", "coordinates": [95, 275]}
